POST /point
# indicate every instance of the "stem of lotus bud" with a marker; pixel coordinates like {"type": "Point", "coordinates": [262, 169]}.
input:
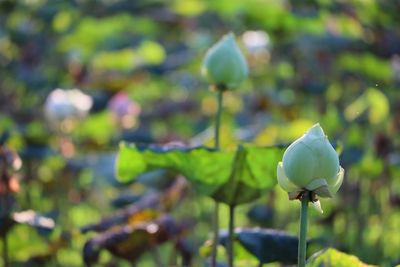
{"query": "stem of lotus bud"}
{"type": "Point", "coordinates": [216, 208]}
{"type": "Point", "coordinates": [301, 259]}
{"type": "Point", "coordinates": [231, 236]}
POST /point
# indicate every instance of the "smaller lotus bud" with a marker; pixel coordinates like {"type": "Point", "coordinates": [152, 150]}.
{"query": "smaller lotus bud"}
{"type": "Point", "coordinates": [310, 164]}
{"type": "Point", "coordinates": [224, 64]}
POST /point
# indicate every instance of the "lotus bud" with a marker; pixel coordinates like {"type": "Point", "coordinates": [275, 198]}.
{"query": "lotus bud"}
{"type": "Point", "coordinates": [224, 64]}
{"type": "Point", "coordinates": [310, 164]}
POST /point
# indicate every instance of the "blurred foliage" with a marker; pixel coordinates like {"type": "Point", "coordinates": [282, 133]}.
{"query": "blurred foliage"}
{"type": "Point", "coordinates": [141, 227]}
{"type": "Point", "coordinates": [336, 62]}
{"type": "Point", "coordinates": [332, 257]}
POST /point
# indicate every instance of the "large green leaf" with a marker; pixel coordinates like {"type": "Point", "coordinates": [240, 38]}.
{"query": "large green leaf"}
{"type": "Point", "coordinates": [231, 177]}
{"type": "Point", "coordinates": [334, 258]}
{"type": "Point", "coordinates": [252, 172]}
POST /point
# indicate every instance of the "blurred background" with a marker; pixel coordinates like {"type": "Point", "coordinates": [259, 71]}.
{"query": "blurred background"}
{"type": "Point", "coordinates": [135, 70]}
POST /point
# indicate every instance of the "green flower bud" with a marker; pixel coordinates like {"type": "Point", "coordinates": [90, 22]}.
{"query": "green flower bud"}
{"type": "Point", "coordinates": [310, 163]}
{"type": "Point", "coordinates": [224, 64]}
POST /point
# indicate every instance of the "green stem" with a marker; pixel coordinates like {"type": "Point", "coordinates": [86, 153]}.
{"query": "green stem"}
{"type": "Point", "coordinates": [215, 235]}
{"type": "Point", "coordinates": [218, 119]}
{"type": "Point", "coordinates": [157, 257]}
{"type": "Point", "coordinates": [4, 208]}
{"type": "Point", "coordinates": [5, 250]}
{"type": "Point", "coordinates": [5, 214]}
{"type": "Point", "coordinates": [216, 208]}
{"type": "Point", "coordinates": [301, 259]}
{"type": "Point", "coordinates": [231, 237]}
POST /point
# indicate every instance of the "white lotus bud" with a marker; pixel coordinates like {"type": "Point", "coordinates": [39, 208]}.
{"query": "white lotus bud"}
{"type": "Point", "coordinates": [224, 64]}
{"type": "Point", "coordinates": [310, 163]}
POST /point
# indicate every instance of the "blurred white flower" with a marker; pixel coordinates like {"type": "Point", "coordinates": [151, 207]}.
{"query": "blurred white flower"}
{"type": "Point", "coordinates": [258, 45]}
{"type": "Point", "coordinates": [256, 40]}
{"type": "Point", "coordinates": [66, 104]}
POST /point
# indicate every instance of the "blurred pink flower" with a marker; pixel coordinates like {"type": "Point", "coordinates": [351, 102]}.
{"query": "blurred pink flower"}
{"type": "Point", "coordinates": [121, 105]}
{"type": "Point", "coordinates": [125, 109]}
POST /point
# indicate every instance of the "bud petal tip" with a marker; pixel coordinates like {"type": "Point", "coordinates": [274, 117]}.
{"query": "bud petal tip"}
{"type": "Point", "coordinates": [316, 130]}
{"type": "Point", "coordinates": [317, 206]}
